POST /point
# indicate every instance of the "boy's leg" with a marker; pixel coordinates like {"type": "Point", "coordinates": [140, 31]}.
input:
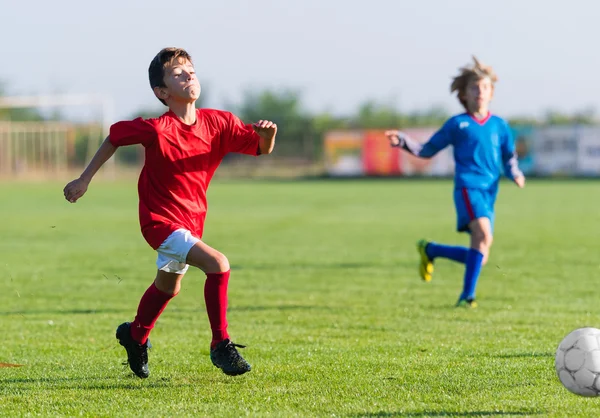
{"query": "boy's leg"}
{"type": "Point", "coordinates": [481, 241]}
{"type": "Point", "coordinates": [215, 265]}
{"type": "Point", "coordinates": [452, 252]}
{"type": "Point", "coordinates": [165, 287]}
{"type": "Point", "coordinates": [429, 251]}
{"type": "Point", "coordinates": [171, 269]}
{"type": "Point", "coordinates": [134, 336]}
{"type": "Point", "coordinates": [475, 214]}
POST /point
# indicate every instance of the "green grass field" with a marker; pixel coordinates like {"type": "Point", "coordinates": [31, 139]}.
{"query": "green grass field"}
{"type": "Point", "coordinates": [324, 291]}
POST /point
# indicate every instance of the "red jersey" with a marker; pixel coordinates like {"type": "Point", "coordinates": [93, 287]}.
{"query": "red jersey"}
{"type": "Point", "coordinates": [180, 162]}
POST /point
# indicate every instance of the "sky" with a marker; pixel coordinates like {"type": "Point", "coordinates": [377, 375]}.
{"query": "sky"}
{"type": "Point", "coordinates": [337, 53]}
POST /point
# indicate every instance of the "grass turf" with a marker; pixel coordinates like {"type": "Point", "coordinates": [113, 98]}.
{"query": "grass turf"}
{"type": "Point", "coordinates": [324, 291]}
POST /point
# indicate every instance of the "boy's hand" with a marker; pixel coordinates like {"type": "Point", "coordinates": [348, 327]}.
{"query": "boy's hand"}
{"type": "Point", "coordinates": [75, 189]}
{"type": "Point", "coordinates": [394, 137]}
{"type": "Point", "coordinates": [265, 129]}
{"type": "Point", "coordinates": [520, 181]}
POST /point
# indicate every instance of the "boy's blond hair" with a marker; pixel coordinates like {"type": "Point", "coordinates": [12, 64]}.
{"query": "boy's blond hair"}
{"type": "Point", "coordinates": [477, 71]}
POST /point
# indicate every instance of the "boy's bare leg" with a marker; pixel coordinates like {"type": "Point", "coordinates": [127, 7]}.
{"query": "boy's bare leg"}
{"type": "Point", "coordinates": [169, 283]}
{"type": "Point", "coordinates": [481, 237]}
{"type": "Point", "coordinates": [215, 265]}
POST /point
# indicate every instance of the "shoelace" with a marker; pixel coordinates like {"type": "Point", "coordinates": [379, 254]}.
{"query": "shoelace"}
{"type": "Point", "coordinates": [231, 343]}
{"type": "Point", "coordinates": [231, 350]}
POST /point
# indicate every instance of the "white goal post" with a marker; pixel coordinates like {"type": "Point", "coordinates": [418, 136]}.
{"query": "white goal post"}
{"type": "Point", "coordinates": [102, 103]}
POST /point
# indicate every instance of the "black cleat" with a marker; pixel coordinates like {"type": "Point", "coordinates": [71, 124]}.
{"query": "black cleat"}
{"type": "Point", "coordinates": [226, 357]}
{"type": "Point", "coordinates": [137, 354]}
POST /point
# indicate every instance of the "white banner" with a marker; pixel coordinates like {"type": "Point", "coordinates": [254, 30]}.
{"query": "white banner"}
{"type": "Point", "coordinates": [555, 150]}
{"type": "Point", "coordinates": [588, 155]}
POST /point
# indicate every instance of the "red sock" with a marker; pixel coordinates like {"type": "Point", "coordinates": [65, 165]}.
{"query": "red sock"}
{"type": "Point", "coordinates": [151, 306]}
{"type": "Point", "coordinates": [215, 297]}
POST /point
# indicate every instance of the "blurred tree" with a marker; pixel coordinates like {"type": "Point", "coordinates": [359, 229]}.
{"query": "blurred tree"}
{"type": "Point", "coordinates": [580, 117]}
{"type": "Point", "coordinates": [301, 132]}
{"type": "Point", "coordinates": [372, 115]}
{"type": "Point", "coordinates": [523, 121]}
{"type": "Point", "coordinates": [17, 114]}
{"type": "Point", "coordinates": [435, 116]}
{"type": "Point", "coordinates": [297, 135]}
{"type": "Point", "coordinates": [553, 117]}
{"type": "Point", "coordinates": [324, 122]}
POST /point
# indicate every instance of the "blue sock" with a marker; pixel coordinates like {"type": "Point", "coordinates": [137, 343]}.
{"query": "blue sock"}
{"type": "Point", "coordinates": [458, 254]}
{"type": "Point", "coordinates": [472, 270]}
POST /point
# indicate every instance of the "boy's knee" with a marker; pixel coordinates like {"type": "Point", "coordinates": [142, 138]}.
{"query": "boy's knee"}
{"type": "Point", "coordinates": [484, 248]}
{"type": "Point", "coordinates": [486, 240]}
{"type": "Point", "coordinates": [486, 255]}
{"type": "Point", "coordinates": [482, 241]}
{"type": "Point", "coordinates": [219, 263]}
{"type": "Point", "coordinates": [207, 259]}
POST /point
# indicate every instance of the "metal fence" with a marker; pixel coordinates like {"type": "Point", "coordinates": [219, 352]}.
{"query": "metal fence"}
{"type": "Point", "coordinates": [35, 147]}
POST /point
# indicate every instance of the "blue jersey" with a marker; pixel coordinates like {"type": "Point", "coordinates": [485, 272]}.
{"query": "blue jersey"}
{"type": "Point", "coordinates": [482, 149]}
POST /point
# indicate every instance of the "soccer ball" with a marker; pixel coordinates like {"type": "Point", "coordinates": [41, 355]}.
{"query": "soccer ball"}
{"type": "Point", "coordinates": [577, 361]}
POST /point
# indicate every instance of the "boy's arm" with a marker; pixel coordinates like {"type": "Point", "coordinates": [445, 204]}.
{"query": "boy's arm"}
{"type": "Point", "coordinates": [510, 161]}
{"type": "Point", "coordinates": [251, 139]}
{"type": "Point", "coordinates": [137, 131]}
{"type": "Point", "coordinates": [106, 150]}
{"type": "Point", "coordinates": [267, 131]}
{"type": "Point", "coordinates": [77, 188]}
{"type": "Point", "coordinates": [440, 140]}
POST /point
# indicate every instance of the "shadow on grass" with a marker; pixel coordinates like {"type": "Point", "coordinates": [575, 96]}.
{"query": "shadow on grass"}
{"type": "Point", "coordinates": [85, 383]}
{"type": "Point", "coordinates": [523, 355]}
{"type": "Point", "coordinates": [63, 312]}
{"type": "Point", "coordinates": [176, 310]}
{"type": "Point", "coordinates": [281, 308]}
{"type": "Point", "coordinates": [308, 265]}
{"type": "Point", "coordinates": [452, 413]}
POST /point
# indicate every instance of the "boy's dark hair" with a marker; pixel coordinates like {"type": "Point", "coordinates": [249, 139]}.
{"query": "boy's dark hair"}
{"type": "Point", "coordinates": [166, 56]}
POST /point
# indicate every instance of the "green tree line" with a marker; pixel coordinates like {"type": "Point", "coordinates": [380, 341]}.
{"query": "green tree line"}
{"type": "Point", "coordinates": [302, 130]}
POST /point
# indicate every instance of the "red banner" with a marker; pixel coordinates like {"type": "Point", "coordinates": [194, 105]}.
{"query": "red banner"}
{"type": "Point", "coordinates": [368, 153]}
{"type": "Point", "coordinates": [379, 159]}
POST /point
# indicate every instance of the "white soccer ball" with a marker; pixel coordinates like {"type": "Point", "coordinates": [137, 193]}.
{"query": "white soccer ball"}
{"type": "Point", "coordinates": [577, 361]}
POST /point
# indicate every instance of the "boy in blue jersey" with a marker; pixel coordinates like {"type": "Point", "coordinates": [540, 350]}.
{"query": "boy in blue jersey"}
{"type": "Point", "coordinates": [483, 145]}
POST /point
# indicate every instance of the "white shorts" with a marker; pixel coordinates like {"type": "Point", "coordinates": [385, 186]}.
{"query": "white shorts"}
{"type": "Point", "coordinates": [173, 252]}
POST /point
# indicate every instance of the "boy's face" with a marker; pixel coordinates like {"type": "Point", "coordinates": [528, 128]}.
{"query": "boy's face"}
{"type": "Point", "coordinates": [180, 81]}
{"type": "Point", "coordinates": [478, 94]}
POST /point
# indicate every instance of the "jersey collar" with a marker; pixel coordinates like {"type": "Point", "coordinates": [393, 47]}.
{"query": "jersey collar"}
{"type": "Point", "coordinates": [481, 121]}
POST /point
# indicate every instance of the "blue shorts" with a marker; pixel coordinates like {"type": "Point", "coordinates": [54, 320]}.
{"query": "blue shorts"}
{"type": "Point", "coordinates": [472, 204]}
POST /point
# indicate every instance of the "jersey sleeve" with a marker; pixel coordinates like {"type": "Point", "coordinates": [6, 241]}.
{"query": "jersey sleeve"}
{"type": "Point", "coordinates": [137, 131]}
{"type": "Point", "coordinates": [239, 137]}
{"type": "Point", "coordinates": [509, 154]}
{"type": "Point", "coordinates": [440, 140]}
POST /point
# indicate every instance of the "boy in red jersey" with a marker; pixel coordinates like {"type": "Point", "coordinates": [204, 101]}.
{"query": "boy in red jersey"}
{"type": "Point", "coordinates": [183, 148]}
